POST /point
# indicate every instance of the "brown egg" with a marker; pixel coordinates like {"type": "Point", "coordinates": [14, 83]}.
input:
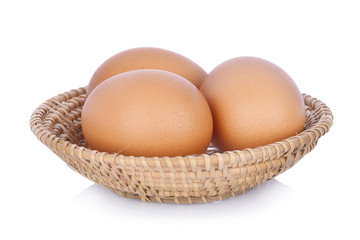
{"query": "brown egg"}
{"type": "Point", "coordinates": [148, 58]}
{"type": "Point", "coordinates": [147, 113]}
{"type": "Point", "coordinates": [253, 102]}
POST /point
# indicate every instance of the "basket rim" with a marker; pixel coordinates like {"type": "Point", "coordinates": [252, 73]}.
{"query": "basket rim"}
{"type": "Point", "coordinates": [238, 157]}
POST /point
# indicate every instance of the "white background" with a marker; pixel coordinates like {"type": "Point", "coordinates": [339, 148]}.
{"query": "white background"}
{"type": "Point", "coordinates": [49, 47]}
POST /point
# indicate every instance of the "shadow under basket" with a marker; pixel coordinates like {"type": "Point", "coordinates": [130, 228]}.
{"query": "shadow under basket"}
{"type": "Point", "coordinates": [191, 179]}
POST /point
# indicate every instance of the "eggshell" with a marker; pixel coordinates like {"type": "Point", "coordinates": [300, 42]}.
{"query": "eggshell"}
{"type": "Point", "coordinates": [148, 58]}
{"type": "Point", "coordinates": [147, 113]}
{"type": "Point", "coordinates": [253, 102]}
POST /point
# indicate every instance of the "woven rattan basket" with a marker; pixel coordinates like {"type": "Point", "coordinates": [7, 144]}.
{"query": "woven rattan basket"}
{"type": "Point", "coordinates": [190, 179]}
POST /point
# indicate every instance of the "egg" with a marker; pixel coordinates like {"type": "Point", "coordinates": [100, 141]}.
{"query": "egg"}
{"type": "Point", "coordinates": [147, 58]}
{"type": "Point", "coordinates": [254, 102]}
{"type": "Point", "coordinates": [147, 113]}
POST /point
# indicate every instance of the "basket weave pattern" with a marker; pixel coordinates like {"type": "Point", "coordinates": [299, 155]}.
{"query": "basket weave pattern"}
{"type": "Point", "coordinates": [191, 179]}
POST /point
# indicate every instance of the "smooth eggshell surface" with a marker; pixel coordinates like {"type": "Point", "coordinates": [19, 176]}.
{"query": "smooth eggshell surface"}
{"type": "Point", "coordinates": [147, 113]}
{"type": "Point", "coordinates": [253, 102]}
{"type": "Point", "coordinates": [148, 58]}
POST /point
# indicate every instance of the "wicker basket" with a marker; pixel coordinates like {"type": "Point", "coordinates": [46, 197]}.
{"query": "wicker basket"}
{"type": "Point", "coordinates": [190, 179]}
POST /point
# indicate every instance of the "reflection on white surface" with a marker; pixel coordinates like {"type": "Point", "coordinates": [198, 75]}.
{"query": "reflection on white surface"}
{"type": "Point", "coordinates": [267, 195]}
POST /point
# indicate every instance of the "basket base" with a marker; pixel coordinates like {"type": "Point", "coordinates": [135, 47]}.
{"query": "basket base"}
{"type": "Point", "coordinates": [180, 200]}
